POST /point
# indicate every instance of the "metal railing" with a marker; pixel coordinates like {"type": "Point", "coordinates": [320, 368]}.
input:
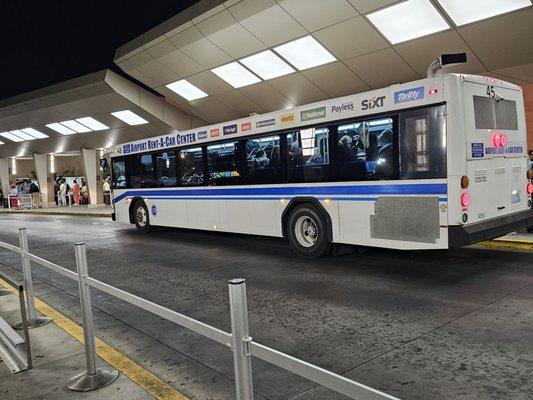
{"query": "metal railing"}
{"type": "Point", "coordinates": [239, 341]}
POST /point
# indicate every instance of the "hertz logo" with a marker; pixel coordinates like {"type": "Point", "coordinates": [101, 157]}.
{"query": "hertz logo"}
{"type": "Point", "coordinates": [287, 118]}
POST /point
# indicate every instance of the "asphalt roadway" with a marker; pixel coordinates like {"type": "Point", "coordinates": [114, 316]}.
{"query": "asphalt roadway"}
{"type": "Point", "coordinates": [452, 324]}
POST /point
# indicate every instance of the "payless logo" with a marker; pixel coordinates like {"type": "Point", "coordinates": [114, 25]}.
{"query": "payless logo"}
{"type": "Point", "coordinates": [286, 119]}
{"type": "Point", "coordinates": [374, 102]}
{"type": "Point", "coordinates": [215, 132]}
{"type": "Point", "coordinates": [409, 95]}
{"type": "Point", "coordinates": [315, 113]}
{"type": "Point", "coordinates": [230, 129]}
{"type": "Point", "coordinates": [343, 107]}
{"type": "Point", "coordinates": [247, 126]}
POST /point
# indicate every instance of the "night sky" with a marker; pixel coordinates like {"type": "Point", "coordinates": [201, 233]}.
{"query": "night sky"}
{"type": "Point", "coordinates": [44, 42]}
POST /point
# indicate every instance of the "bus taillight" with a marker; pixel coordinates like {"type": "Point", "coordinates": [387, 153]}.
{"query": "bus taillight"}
{"type": "Point", "coordinates": [499, 140]}
{"type": "Point", "coordinates": [465, 182]}
{"type": "Point", "coordinates": [465, 199]}
{"type": "Point", "coordinates": [529, 188]}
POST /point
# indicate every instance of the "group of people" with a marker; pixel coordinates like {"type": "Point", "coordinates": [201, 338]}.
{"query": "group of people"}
{"type": "Point", "coordinates": [65, 192]}
{"type": "Point", "coordinates": [24, 187]}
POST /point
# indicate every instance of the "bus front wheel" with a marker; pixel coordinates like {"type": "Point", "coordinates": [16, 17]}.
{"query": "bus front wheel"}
{"type": "Point", "coordinates": [307, 232]}
{"type": "Point", "coordinates": [141, 217]}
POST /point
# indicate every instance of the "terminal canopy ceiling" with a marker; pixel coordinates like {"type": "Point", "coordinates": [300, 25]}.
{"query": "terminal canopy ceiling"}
{"type": "Point", "coordinates": [229, 59]}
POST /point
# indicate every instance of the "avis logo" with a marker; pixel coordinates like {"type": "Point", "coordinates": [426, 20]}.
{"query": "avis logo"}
{"type": "Point", "coordinates": [374, 102]}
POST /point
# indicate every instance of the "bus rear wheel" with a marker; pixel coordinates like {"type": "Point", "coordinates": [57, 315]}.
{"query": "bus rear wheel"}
{"type": "Point", "coordinates": [141, 217]}
{"type": "Point", "coordinates": [307, 232]}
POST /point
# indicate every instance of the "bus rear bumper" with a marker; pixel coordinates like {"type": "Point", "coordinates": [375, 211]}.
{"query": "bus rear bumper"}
{"type": "Point", "coordinates": [460, 235]}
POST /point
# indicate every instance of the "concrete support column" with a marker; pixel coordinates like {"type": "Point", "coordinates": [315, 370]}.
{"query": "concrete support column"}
{"type": "Point", "coordinates": [41, 170]}
{"type": "Point", "coordinates": [4, 175]}
{"type": "Point", "coordinates": [89, 168]}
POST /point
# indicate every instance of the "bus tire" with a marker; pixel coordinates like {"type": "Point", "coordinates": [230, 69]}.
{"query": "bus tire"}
{"type": "Point", "coordinates": [307, 232]}
{"type": "Point", "coordinates": [141, 217]}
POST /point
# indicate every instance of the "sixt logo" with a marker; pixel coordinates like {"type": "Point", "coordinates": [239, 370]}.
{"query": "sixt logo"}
{"type": "Point", "coordinates": [409, 95]}
{"type": "Point", "coordinates": [374, 102]}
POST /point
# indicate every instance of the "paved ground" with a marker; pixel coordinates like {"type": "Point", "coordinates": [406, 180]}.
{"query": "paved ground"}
{"type": "Point", "coordinates": [82, 210]}
{"type": "Point", "coordinates": [418, 325]}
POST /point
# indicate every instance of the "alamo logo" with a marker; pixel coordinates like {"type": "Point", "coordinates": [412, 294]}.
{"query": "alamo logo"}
{"type": "Point", "coordinates": [315, 113]}
{"type": "Point", "coordinates": [374, 102]}
{"type": "Point", "coordinates": [286, 119]}
{"type": "Point", "coordinates": [348, 106]}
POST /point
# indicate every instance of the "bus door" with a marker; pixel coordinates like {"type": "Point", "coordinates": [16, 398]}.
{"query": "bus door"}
{"type": "Point", "coordinates": [496, 151]}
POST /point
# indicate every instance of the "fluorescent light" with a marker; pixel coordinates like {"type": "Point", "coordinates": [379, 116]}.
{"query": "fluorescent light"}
{"type": "Point", "coordinates": [305, 53]}
{"type": "Point", "coordinates": [22, 135]}
{"type": "Point", "coordinates": [408, 20]}
{"type": "Point", "coordinates": [186, 89]}
{"type": "Point", "coordinates": [267, 65]}
{"type": "Point", "coordinates": [35, 133]}
{"type": "Point", "coordinates": [75, 126]}
{"type": "Point", "coordinates": [463, 12]}
{"type": "Point", "coordinates": [129, 117]}
{"type": "Point", "coordinates": [12, 137]}
{"type": "Point", "coordinates": [1, 143]}
{"type": "Point", "coordinates": [61, 129]}
{"type": "Point", "coordinates": [91, 123]}
{"type": "Point", "coordinates": [236, 75]}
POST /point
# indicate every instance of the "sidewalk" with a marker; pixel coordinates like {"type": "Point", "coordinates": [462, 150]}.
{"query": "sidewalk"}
{"type": "Point", "coordinates": [57, 356]}
{"type": "Point", "coordinates": [80, 211]}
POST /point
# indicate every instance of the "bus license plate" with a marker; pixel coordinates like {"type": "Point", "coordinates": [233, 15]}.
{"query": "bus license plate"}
{"type": "Point", "coordinates": [515, 196]}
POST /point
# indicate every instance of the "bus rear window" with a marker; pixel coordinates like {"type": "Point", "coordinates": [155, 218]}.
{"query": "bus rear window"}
{"type": "Point", "coordinates": [495, 114]}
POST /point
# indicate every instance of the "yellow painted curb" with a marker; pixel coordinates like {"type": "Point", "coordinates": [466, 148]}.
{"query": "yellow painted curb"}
{"type": "Point", "coordinates": [145, 379]}
{"type": "Point", "coordinates": [507, 244]}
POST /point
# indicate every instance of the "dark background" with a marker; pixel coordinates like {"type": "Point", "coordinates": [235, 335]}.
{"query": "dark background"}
{"type": "Point", "coordinates": [43, 42]}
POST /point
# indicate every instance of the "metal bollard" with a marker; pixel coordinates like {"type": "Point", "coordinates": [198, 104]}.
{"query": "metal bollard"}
{"type": "Point", "coordinates": [93, 378]}
{"type": "Point", "coordinates": [34, 321]}
{"type": "Point", "coordinates": [242, 362]}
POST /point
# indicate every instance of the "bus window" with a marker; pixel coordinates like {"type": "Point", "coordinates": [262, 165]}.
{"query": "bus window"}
{"type": "Point", "coordinates": [165, 166]}
{"type": "Point", "coordinates": [142, 171]}
{"type": "Point", "coordinates": [224, 163]}
{"type": "Point", "coordinates": [423, 143]}
{"type": "Point", "coordinates": [366, 150]}
{"type": "Point", "coordinates": [492, 113]}
{"type": "Point", "coordinates": [191, 167]}
{"type": "Point", "coordinates": [307, 155]}
{"type": "Point", "coordinates": [263, 159]}
{"type": "Point", "coordinates": [119, 173]}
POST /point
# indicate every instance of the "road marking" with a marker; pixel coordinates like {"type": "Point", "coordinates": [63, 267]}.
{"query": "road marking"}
{"type": "Point", "coordinates": [507, 244]}
{"type": "Point", "coordinates": [145, 379]}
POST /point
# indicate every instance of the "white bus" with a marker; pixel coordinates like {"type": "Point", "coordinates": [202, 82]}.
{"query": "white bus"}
{"type": "Point", "coordinates": [431, 164]}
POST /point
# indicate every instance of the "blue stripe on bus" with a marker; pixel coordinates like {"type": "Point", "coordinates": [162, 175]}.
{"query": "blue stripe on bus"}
{"type": "Point", "coordinates": [441, 199]}
{"type": "Point", "coordinates": [292, 191]}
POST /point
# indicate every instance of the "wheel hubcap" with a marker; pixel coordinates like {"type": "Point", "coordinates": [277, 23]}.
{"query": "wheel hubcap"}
{"type": "Point", "coordinates": [141, 216]}
{"type": "Point", "coordinates": [306, 231]}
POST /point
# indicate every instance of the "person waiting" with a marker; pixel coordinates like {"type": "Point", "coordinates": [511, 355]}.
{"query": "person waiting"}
{"type": "Point", "coordinates": [76, 193]}
{"type": "Point", "coordinates": [62, 194]}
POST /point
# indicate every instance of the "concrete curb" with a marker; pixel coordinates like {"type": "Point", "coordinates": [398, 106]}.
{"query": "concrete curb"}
{"type": "Point", "coordinates": [508, 244]}
{"type": "Point", "coordinates": [81, 214]}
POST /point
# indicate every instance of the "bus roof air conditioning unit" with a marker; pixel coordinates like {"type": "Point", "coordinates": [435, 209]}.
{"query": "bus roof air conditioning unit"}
{"type": "Point", "coordinates": [445, 60]}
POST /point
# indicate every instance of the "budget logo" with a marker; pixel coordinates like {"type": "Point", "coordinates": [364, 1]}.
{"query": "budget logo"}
{"type": "Point", "coordinates": [266, 122]}
{"type": "Point", "coordinates": [230, 129]}
{"type": "Point", "coordinates": [315, 113]}
{"type": "Point", "coordinates": [246, 126]}
{"type": "Point", "coordinates": [348, 106]}
{"type": "Point", "coordinates": [202, 135]}
{"type": "Point", "coordinates": [409, 95]}
{"type": "Point", "coordinates": [374, 102]}
{"type": "Point", "coordinates": [215, 132]}
{"type": "Point", "coordinates": [286, 119]}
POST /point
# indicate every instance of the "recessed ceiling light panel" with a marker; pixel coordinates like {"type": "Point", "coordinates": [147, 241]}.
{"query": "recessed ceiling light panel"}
{"type": "Point", "coordinates": [75, 126]}
{"type": "Point", "coordinates": [408, 20]}
{"type": "Point", "coordinates": [186, 89]}
{"type": "Point", "coordinates": [267, 65]}
{"type": "Point", "coordinates": [129, 117]}
{"type": "Point", "coordinates": [11, 137]}
{"type": "Point", "coordinates": [92, 124]}
{"type": "Point", "coordinates": [236, 75]}
{"type": "Point", "coordinates": [22, 135]}
{"type": "Point", "coordinates": [61, 129]}
{"type": "Point", "coordinates": [305, 53]}
{"type": "Point", "coordinates": [35, 133]}
{"type": "Point", "coordinates": [464, 12]}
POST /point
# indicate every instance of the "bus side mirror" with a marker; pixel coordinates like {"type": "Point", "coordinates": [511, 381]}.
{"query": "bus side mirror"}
{"type": "Point", "coordinates": [444, 60]}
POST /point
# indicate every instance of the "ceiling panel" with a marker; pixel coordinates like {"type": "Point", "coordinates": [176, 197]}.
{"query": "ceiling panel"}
{"type": "Point", "coordinates": [210, 83]}
{"type": "Point", "coordinates": [266, 96]}
{"type": "Point", "coordinates": [158, 72]}
{"type": "Point", "coordinates": [273, 26]}
{"type": "Point", "coordinates": [212, 110]}
{"type": "Point", "coordinates": [236, 41]}
{"type": "Point", "coordinates": [420, 53]}
{"type": "Point", "coordinates": [216, 23]}
{"type": "Point", "coordinates": [364, 6]}
{"type": "Point", "coordinates": [523, 73]}
{"type": "Point", "coordinates": [502, 41]}
{"type": "Point", "coordinates": [351, 38]}
{"type": "Point", "coordinates": [298, 89]}
{"type": "Point", "coordinates": [248, 8]}
{"type": "Point", "coordinates": [186, 37]}
{"type": "Point", "coordinates": [336, 79]}
{"type": "Point", "coordinates": [181, 64]}
{"type": "Point", "coordinates": [239, 103]}
{"type": "Point", "coordinates": [206, 53]}
{"type": "Point", "coordinates": [317, 14]}
{"type": "Point", "coordinates": [382, 68]}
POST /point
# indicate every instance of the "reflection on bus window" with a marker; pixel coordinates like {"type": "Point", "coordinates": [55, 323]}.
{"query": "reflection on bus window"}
{"type": "Point", "coordinates": [191, 167]}
{"type": "Point", "coordinates": [366, 150]}
{"type": "Point", "coordinates": [119, 173]}
{"type": "Point", "coordinates": [166, 168]}
{"type": "Point", "coordinates": [224, 165]}
{"type": "Point", "coordinates": [263, 159]}
{"type": "Point", "coordinates": [308, 155]}
{"type": "Point", "coordinates": [142, 174]}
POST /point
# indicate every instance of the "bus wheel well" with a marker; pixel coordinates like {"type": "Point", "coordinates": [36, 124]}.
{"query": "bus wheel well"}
{"type": "Point", "coordinates": [134, 201]}
{"type": "Point", "coordinates": [298, 201]}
